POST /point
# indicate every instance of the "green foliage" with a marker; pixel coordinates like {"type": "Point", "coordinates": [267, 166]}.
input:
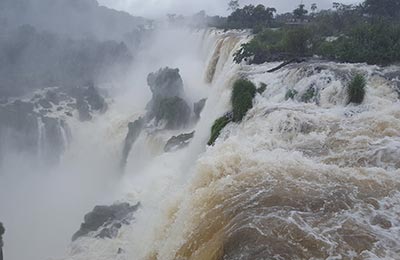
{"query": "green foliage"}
{"type": "Point", "coordinates": [291, 94]}
{"type": "Point", "coordinates": [217, 127]}
{"type": "Point", "coordinates": [300, 12]}
{"type": "Point", "coordinates": [374, 43]}
{"type": "Point", "coordinates": [309, 95]}
{"type": "Point", "coordinates": [251, 16]}
{"type": "Point", "coordinates": [369, 33]}
{"type": "Point", "coordinates": [276, 45]}
{"type": "Point", "coordinates": [383, 8]}
{"type": "Point", "coordinates": [242, 98]}
{"type": "Point", "coordinates": [356, 89]}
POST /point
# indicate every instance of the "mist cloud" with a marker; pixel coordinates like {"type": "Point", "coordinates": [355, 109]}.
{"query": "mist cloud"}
{"type": "Point", "coordinates": [158, 8]}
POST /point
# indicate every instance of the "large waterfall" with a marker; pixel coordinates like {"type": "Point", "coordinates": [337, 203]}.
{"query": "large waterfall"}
{"type": "Point", "coordinates": [307, 177]}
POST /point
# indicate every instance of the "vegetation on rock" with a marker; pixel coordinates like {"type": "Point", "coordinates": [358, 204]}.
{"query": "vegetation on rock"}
{"type": "Point", "coordinates": [242, 101]}
{"type": "Point", "coordinates": [290, 94]}
{"type": "Point", "coordinates": [217, 127]}
{"type": "Point", "coordinates": [356, 89]}
{"type": "Point", "coordinates": [369, 32]}
{"type": "Point", "coordinates": [242, 98]}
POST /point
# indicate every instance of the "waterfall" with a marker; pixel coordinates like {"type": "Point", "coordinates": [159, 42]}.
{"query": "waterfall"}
{"type": "Point", "coordinates": [302, 177]}
{"type": "Point", "coordinates": [41, 139]}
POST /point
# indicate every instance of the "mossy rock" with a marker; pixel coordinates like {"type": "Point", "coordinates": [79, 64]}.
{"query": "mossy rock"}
{"type": "Point", "coordinates": [217, 127]}
{"type": "Point", "coordinates": [242, 98]}
{"type": "Point", "coordinates": [309, 95]}
{"type": "Point", "coordinates": [174, 111]}
{"type": "Point", "coordinates": [291, 94]}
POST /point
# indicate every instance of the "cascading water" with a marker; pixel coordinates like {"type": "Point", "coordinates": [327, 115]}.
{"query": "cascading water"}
{"type": "Point", "coordinates": [303, 178]}
{"type": "Point", "coordinates": [157, 179]}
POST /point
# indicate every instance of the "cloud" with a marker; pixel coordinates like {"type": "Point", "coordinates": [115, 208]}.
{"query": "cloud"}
{"type": "Point", "coordinates": [159, 8]}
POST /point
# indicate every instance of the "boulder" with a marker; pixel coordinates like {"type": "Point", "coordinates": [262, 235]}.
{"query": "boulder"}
{"type": "Point", "coordinates": [173, 112]}
{"type": "Point", "coordinates": [165, 83]}
{"type": "Point", "coordinates": [167, 105]}
{"type": "Point", "coordinates": [105, 221]}
{"type": "Point", "coordinates": [178, 142]}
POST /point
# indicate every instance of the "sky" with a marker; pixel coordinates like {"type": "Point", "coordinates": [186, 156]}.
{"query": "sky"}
{"type": "Point", "coordinates": [159, 8]}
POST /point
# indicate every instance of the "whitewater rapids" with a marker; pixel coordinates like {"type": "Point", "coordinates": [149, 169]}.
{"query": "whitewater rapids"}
{"type": "Point", "coordinates": [294, 180]}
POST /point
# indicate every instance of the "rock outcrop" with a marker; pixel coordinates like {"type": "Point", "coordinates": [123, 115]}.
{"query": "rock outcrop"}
{"type": "Point", "coordinates": [105, 221]}
{"type": "Point", "coordinates": [165, 83]}
{"type": "Point", "coordinates": [167, 106]}
{"type": "Point", "coordinates": [198, 108]}
{"type": "Point", "coordinates": [38, 126]}
{"type": "Point", "coordinates": [167, 110]}
{"type": "Point", "coordinates": [178, 142]}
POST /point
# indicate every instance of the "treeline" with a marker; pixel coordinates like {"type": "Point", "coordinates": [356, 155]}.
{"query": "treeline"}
{"type": "Point", "coordinates": [368, 32]}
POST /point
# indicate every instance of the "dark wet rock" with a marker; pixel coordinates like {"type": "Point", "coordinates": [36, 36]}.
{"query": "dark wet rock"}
{"type": "Point", "coordinates": [95, 100]}
{"type": "Point", "coordinates": [59, 108]}
{"type": "Point", "coordinates": [88, 100]}
{"type": "Point", "coordinates": [134, 130]}
{"type": "Point", "coordinates": [45, 103]}
{"type": "Point", "coordinates": [178, 142]}
{"type": "Point", "coordinates": [198, 107]}
{"type": "Point", "coordinates": [53, 97]}
{"type": "Point", "coordinates": [167, 106]}
{"type": "Point", "coordinates": [174, 112]}
{"type": "Point", "coordinates": [381, 221]}
{"type": "Point", "coordinates": [69, 114]}
{"type": "Point", "coordinates": [2, 231]}
{"type": "Point", "coordinates": [105, 221]}
{"type": "Point", "coordinates": [165, 83]}
{"type": "Point", "coordinates": [44, 112]}
{"type": "Point", "coordinates": [83, 110]}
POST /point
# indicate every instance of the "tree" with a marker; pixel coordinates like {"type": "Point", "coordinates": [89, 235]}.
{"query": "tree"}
{"type": "Point", "coordinates": [314, 7]}
{"type": "Point", "coordinates": [251, 16]}
{"type": "Point", "coordinates": [336, 5]}
{"type": "Point", "coordinates": [233, 5]}
{"type": "Point", "coordinates": [300, 12]}
{"type": "Point", "coordinates": [384, 8]}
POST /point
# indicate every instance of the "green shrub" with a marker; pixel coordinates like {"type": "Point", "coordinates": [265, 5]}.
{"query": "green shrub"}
{"type": "Point", "coordinates": [356, 89]}
{"type": "Point", "coordinates": [309, 95]}
{"type": "Point", "coordinates": [291, 94]}
{"type": "Point", "coordinates": [242, 98]}
{"type": "Point", "coordinates": [217, 127]}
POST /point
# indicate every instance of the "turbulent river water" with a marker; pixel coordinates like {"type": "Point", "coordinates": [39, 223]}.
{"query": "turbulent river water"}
{"type": "Point", "coordinates": [305, 178]}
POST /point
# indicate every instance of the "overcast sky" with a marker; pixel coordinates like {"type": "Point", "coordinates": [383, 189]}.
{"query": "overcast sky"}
{"type": "Point", "coordinates": [158, 8]}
